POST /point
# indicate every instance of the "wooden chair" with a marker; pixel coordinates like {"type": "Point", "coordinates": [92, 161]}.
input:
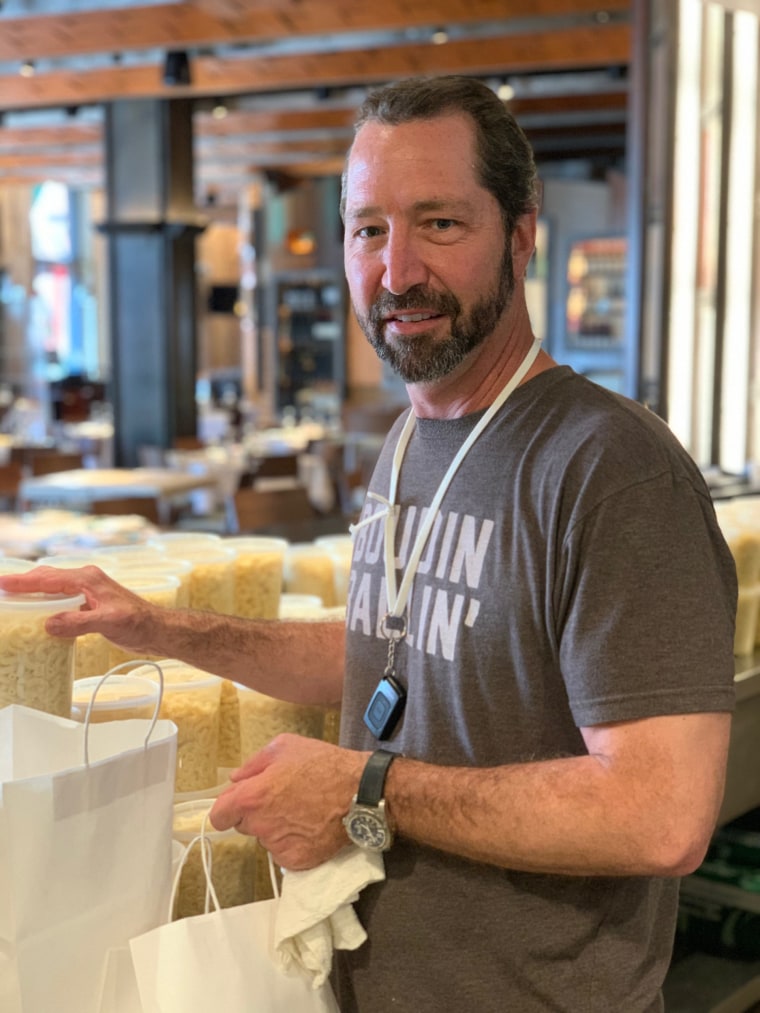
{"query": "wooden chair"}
{"type": "Point", "coordinates": [271, 511]}
{"type": "Point", "coordinates": [10, 480]}
{"type": "Point", "coordinates": [274, 466]}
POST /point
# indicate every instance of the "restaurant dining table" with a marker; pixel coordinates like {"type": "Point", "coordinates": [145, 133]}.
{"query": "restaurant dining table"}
{"type": "Point", "coordinates": [79, 488]}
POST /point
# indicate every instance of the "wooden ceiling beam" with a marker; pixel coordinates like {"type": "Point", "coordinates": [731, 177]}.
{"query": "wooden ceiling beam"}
{"type": "Point", "coordinates": [574, 48]}
{"type": "Point", "coordinates": [183, 25]}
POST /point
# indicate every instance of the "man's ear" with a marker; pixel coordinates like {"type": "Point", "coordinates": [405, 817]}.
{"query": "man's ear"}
{"type": "Point", "coordinates": [523, 242]}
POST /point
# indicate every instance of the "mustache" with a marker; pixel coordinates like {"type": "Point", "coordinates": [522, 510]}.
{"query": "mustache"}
{"type": "Point", "coordinates": [416, 298]}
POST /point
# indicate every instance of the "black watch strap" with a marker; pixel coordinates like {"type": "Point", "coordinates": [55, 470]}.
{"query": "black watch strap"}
{"type": "Point", "coordinates": [373, 778]}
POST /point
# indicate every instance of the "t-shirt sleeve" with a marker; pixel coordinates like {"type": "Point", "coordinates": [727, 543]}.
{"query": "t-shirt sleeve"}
{"type": "Point", "coordinates": [645, 604]}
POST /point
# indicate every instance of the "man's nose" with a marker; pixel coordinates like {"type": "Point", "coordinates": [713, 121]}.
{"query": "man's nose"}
{"type": "Point", "coordinates": [404, 266]}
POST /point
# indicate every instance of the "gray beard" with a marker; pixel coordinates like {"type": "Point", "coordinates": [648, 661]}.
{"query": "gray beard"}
{"type": "Point", "coordinates": [420, 359]}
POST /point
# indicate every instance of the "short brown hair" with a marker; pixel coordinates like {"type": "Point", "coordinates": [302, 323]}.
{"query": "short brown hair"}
{"type": "Point", "coordinates": [506, 165]}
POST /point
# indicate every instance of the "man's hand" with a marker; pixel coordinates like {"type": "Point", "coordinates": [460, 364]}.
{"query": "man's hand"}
{"type": "Point", "coordinates": [109, 609]}
{"type": "Point", "coordinates": [292, 796]}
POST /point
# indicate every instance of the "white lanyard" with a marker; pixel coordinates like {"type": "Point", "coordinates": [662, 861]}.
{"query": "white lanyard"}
{"type": "Point", "coordinates": [397, 599]}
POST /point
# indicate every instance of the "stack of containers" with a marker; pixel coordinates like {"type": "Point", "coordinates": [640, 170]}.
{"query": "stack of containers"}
{"type": "Point", "coordinates": [740, 523]}
{"type": "Point", "coordinates": [36, 670]}
{"type": "Point", "coordinates": [191, 700]}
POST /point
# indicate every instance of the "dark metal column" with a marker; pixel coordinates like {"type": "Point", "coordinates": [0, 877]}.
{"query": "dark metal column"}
{"type": "Point", "coordinates": [151, 229]}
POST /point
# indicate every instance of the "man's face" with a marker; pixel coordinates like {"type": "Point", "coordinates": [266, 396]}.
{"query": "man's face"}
{"type": "Point", "coordinates": [428, 265]}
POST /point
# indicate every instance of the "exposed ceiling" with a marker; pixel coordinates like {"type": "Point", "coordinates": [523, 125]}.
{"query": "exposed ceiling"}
{"type": "Point", "coordinates": [276, 82]}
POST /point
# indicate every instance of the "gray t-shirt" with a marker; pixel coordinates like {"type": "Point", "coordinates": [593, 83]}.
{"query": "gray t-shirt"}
{"type": "Point", "coordinates": [575, 576]}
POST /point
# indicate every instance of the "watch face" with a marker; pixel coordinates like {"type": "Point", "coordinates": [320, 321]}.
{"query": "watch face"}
{"type": "Point", "coordinates": [367, 830]}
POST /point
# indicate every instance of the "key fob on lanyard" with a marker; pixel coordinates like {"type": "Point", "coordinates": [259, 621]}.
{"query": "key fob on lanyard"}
{"type": "Point", "coordinates": [385, 708]}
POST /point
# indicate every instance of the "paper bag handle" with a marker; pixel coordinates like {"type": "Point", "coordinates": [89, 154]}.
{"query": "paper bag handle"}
{"type": "Point", "coordinates": [109, 673]}
{"type": "Point", "coordinates": [207, 862]}
{"type": "Point", "coordinates": [207, 859]}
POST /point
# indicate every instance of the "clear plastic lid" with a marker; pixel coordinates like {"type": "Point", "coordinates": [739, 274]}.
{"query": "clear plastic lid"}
{"type": "Point", "coordinates": [178, 675]}
{"type": "Point", "coordinates": [117, 692]}
{"type": "Point", "coordinates": [38, 601]}
{"type": "Point", "coordinates": [169, 539]}
{"type": "Point", "coordinates": [187, 820]}
{"type": "Point", "coordinates": [300, 606]}
{"type": "Point", "coordinates": [256, 544]}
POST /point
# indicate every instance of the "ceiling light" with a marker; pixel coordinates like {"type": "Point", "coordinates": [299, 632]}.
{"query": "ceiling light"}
{"type": "Point", "coordinates": [505, 91]}
{"type": "Point", "coordinates": [27, 68]}
{"type": "Point", "coordinates": [439, 37]}
{"type": "Point", "coordinates": [219, 111]}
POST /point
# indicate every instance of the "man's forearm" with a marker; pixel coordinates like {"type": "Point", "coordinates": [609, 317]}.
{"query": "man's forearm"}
{"type": "Point", "coordinates": [644, 811]}
{"type": "Point", "coordinates": [301, 662]}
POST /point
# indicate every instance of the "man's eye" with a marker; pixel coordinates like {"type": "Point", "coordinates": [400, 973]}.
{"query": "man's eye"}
{"type": "Point", "coordinates": [368, 232]}
{"type": "Point", "coordinates": [442, 224]}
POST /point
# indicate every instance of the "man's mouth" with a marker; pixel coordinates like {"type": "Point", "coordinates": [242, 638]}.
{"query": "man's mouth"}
{"type": "Point", "coordinates": [410, 318]}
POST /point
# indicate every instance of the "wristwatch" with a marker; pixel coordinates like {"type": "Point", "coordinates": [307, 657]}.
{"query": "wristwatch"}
{"type": "Point", "coordinates": [367, 820]}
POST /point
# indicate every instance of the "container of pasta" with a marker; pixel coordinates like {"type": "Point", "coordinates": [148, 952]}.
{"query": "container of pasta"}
{"type": "Point", "coordinates": [159, 565]}
{"type": "Point", "coordinates": [159, 589]}
{"type": "Point", "coordinates": [300, 606]}
{"type": "Point", "coordinates": [258, 575]}
{"type": "Point", "coordinates": [191, 700]}
{"type": "Point", "coordinates": [340, 549]}
{"type": "Point", "coordinates": [36, 670]}
{"type": "Point", "coordinates": [262, 718]}
{"type": "Point", "coordinates": [120, 697]}
{"type": "Point", "coordinates": [168, 541]}
{"type": "Point", "coordinates": [229, 725]}
{"type": "Point", "coordinates": [308, 569]}
{"type": "Point", "coordinates": [233, 861]}
{"type": "Point", "coordinates": [212, 578]}
{"type": "Point", "coordinates": [91, 650]}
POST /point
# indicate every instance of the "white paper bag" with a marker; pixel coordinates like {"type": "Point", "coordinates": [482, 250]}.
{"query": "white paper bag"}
{"type": "Point", "coordinates": [85, 852]}
{"type": "Point", "coordinates": [223, 960]}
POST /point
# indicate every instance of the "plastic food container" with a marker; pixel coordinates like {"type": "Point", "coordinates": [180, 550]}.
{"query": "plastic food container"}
{"type": "Point", "coordinates": [191, 700]}
{"type": "Point", "coordinates": [308, 569]}
{"type": "Point", "coordinates": [212, 578]}
{"type": "Point", "coordinates": [262, 718]}
{"type": "Point", "coordinates": [340, 549]}
{"type": "Point", "coordinates": [168, 541]}
{"type": "Point", "coordinates": [229, 725]}
{"type": "Point", "coordinates": [258, 575]}
{"type": "Point", "coordinates": [119, 698]}
{"type": "Point", "coordinates": [300, 606]}
{"type": "Point", "coordinates": [153, 567]}
{"type": "Point", "coordinates": [91, 651]}
{"type": "Point", "coordinates": [233, 861]}
{"type": "Point", "coordinates": [36, 670]}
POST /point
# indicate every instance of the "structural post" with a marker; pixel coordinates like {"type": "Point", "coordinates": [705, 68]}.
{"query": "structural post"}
{"type": "Point", "coordinates": [151, 228]}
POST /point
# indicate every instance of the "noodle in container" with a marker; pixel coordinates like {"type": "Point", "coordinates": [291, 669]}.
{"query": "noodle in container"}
{"type": "Point", "coordinates": [36, 670]}
{"type": "Point", "coordinates": [191, 701]}
{"type": "Point", "coordinates": [233, 861]}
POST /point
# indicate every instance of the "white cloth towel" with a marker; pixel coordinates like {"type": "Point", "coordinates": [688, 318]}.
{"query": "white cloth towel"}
{"type": "Point", "coordinates": [314, 915]}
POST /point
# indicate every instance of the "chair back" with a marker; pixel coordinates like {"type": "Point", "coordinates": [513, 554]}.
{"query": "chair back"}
{"type": "Point", "coordinates": [264, 510]}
